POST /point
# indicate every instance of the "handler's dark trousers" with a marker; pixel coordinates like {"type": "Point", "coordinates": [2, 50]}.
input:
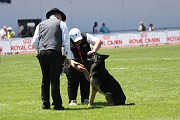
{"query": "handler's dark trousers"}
{"type": "Point", "coordinates": [51, 64]}
{"type": "Point", "coordinates": [73, 83]}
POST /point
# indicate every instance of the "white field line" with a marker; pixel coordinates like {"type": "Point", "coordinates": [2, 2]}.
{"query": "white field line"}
{"type": "Point", "coordinates": [18, 62]}
{"type": "Point", "coordinates": [117, 68]}
{"type": "Point", "coordinates": [141, 68]}
{"type": "Point", "coordinates": [144, 59]}
{"type": "Point", "coordinates": [155, 68]}
{"type": "Point", "coordinates": [120, 68]}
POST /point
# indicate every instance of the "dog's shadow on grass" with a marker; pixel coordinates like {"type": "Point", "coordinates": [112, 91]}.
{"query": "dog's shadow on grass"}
{"type": "Point", "coordinates": [129, 104]}
{"type": "Point", "coordinates": [98, 105]}
{"type": "Point", "coordinates": [105, 104]}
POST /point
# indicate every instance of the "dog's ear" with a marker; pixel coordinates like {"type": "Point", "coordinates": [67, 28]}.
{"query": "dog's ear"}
{"type": "Point", "coordinates": [107, 56]}
{"type": "Point", "coordinates": [90, 58]}
{"type": "Point", "coordinates": [103, 57]}
{"type": "Point", "coordinates": [96, 56]}
{"type": "Point", "coordinates": [93, 57]}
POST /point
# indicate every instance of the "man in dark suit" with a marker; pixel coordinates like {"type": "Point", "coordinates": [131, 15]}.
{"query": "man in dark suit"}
{"type": "Point", "coordinates": [48, 38]}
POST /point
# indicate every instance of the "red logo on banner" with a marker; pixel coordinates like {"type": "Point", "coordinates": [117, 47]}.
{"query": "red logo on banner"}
{"type": "Point", "coordinates": [135, 41]}
{"type": "Point", "coordinates": [106, 37]}
{"type": "Point", "coordinates": [26, 41]}
{"type": "Point", "coordinates": [22, 47]}
{"type": "Point", "coordinates": [144, 34]}
{"type": "Point", "coordinates": [174, 38]}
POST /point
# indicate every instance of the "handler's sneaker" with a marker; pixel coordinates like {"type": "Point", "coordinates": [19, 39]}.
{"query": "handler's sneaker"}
{"type": "Point", "coordinates": [73, 103]}
{"type": "Point", "coordinates": [86, 102]}
{"type": "Point", "coordinates": [109, 98]}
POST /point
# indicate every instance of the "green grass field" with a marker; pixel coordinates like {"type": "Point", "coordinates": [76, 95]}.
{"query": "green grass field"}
{"type": "Point", "coordinates": [149, 76]}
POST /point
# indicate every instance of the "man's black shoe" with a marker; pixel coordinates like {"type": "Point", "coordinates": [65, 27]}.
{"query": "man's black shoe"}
{"type": "Point", "coordinates": [45, 107]}
{"type": "Point", "coordinates": [60, 108]}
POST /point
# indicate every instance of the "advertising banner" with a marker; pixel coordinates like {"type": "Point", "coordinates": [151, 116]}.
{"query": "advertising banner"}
{"type": "Point", "coordinates": [109, 40]}
{"type": "Point", "coordinates": [173, 36]}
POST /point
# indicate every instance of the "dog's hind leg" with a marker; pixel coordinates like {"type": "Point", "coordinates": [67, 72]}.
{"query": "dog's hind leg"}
{"type": "Point", "coordinates": [109, 98]}
{"type": "Point", "coordinates": [119, 97]}
{"type": "Point", "coordinates": [120, 100]}
{"type": "Point", "coordinates": [93, 94]}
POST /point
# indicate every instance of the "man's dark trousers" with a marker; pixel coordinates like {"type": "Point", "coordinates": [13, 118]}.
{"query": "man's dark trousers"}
{"type": "Point", "coordinates": [51, 65]}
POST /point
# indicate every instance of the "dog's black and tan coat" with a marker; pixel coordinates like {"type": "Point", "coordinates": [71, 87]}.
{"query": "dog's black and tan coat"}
{"type": "Point", "coordinates": [103, 82]}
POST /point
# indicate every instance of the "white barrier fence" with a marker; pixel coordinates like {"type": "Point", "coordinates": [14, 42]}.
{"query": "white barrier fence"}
{"type": "Point", "coordinates": [109, 40]}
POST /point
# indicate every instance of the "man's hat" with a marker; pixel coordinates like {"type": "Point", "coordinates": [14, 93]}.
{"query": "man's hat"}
{"type": "Point", "coordinates": [75, 34]}
{"type": "Point", "coordinates": [55, 10]}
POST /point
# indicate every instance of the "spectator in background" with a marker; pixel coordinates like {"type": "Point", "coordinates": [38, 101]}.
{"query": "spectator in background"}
{"type": "Point", "coordinates": [24, 31]}
{"type": "Point", "coordinates": [95, 28]}
{"type": "Point", "coordinates": [29, 32]}
{"type": "Point", "coordinates": [141, 27]}
{"type": "Point", "coordinates": [10, 33]}
{"type": "Point", "coordinates": [3, 33]}
{"type": "Point", "coordinates": [104, 29]}
{"type": "Point", "coordinates": [151, 27]}
{"type": "Point", "coordinates": [20, 29]}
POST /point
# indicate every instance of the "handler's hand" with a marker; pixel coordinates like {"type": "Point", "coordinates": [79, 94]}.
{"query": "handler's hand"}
{"type": "Point", "coordinates": [81, 68]}
{"type": "Point", "coordinates": [67, 63]}
{"type": "Point", "coordinates": [90, 53]}
{"type": "Point", "coordinates": [78, 66]}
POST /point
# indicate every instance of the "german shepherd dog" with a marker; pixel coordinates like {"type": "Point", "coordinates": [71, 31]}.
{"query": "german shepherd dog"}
{"type": "Point", "coordinates": [103, 82]}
